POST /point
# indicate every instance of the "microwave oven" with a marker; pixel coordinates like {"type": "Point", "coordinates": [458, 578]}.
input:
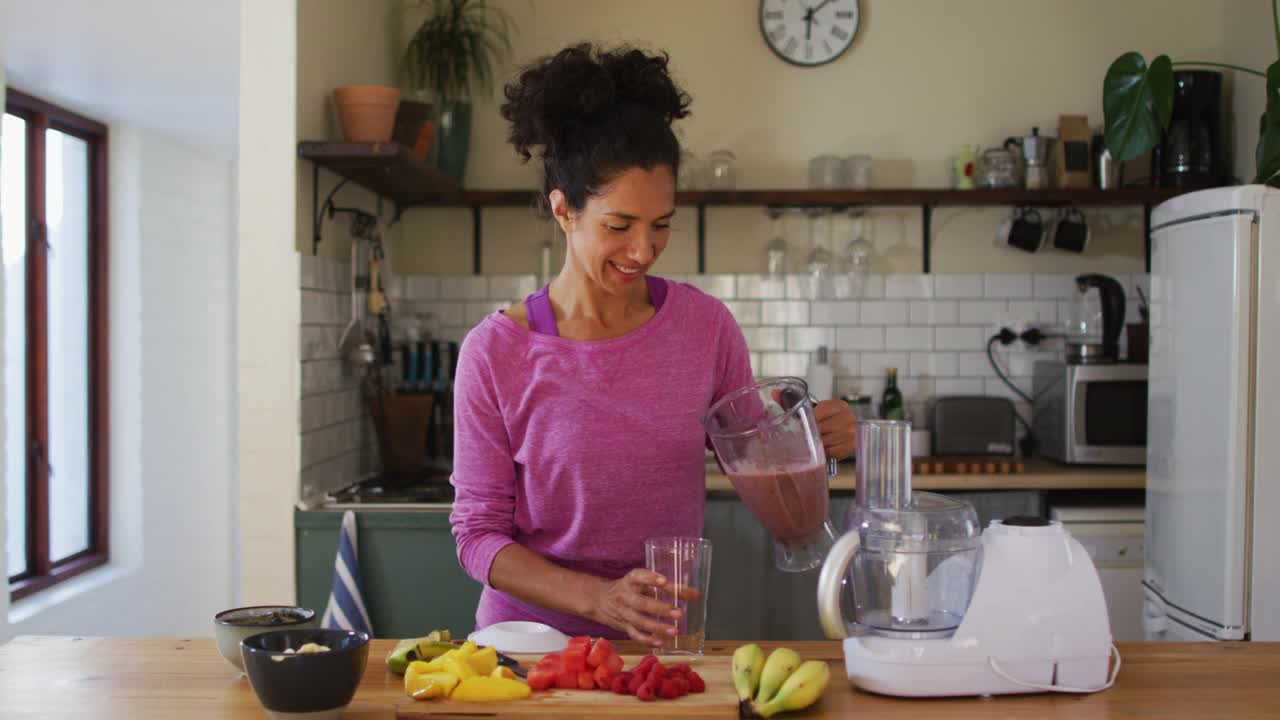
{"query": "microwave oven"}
{"type": "Point", "coordinates": [1090, 414]}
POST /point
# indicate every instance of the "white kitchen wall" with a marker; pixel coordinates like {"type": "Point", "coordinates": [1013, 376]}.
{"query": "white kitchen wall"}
{"type": "Point", "coordinates": [932, 328]}
{"type": "Point", "coordinates": [172, 395]}
{"type": "Point", "coordinates": [268, 300]}
{"type": "Point", "coordinates": [336, 437]}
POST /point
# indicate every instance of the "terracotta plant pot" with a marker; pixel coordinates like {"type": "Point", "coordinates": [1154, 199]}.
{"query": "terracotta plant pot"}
{"type": "Point", "coordinates": [368, 112]}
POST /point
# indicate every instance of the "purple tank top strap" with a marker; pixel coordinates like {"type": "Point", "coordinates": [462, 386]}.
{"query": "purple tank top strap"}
{"type": "Point", "coordinates": [542, 318]}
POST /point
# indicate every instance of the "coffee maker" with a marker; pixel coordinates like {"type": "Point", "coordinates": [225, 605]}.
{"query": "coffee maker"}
{"type": "Point", "coordinates": [1191, 153]}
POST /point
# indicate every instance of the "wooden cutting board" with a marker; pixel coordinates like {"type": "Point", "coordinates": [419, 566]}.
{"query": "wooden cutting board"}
{"type": "Point", "coordinates": [978, 465]}
{"type": "Point", "coordinates": [719, 701]}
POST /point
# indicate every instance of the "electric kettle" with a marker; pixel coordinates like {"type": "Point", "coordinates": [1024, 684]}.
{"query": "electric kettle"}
{"type": "Point", "coordinates": [1095, 321]}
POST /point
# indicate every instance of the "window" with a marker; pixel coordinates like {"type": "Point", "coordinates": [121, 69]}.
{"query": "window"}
{"type": "Point", "coordinates": [53, 204]}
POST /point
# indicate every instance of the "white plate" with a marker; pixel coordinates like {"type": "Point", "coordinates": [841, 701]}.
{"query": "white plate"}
{"type": "Point", "coordinates": [521, 637]}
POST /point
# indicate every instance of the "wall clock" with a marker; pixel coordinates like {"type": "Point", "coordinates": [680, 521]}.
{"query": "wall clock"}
{"type": "Point", "coordinates": [809, 32]}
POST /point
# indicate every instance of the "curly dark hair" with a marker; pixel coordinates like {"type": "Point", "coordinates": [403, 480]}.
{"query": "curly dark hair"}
{"type": "Point", "coordinates": [594, 114]}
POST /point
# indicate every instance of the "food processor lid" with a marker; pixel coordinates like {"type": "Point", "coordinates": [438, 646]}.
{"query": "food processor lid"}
{"type": "Point", "coordinates": [931, 523]}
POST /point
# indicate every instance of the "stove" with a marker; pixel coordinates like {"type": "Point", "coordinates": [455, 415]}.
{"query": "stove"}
{"type": "Point", "coordinates": [422, 487]}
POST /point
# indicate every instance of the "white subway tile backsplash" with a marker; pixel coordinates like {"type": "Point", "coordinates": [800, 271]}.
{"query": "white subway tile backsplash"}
{"type": "Point", "coordinates": [447, 314]}
{"type": "Point", "coordinates": [307, 270]}
{"type": "Point", "coordinates": [722, 286]}
{"type": "Point", "coordinates": [421, 287]}
{"type": "Point", "coordinates": [1143, 281]}
{"type": "Point", "coordinates": [319, 342]}
{"type": "Point", "coordinates": [878, 363]}
{"type": "Point", "coordinates": [785, 312]}
{"type": "Point", "coordinates": [1022, 314]}
{"type": "Point", "coordinates": [980, 312]}
{"type": "Point", "coordinates": [825, 312]}
{"type": "Point", "coordinates": [324, 308]}
{"type": "Point", "coordinates": [325, 409]}
{"type": "Point", "coordinates": [958, 386]}
{"type": "Point", "coordinates": [883, 312]}
{"type": "Point", "coordinates": [934, 312]}
{"type": "Point", "coordinates": [784, 363]}
{"type": "Point", "coordinates": [755, 365]}
{"type": "Point", "coordinates": [973, 364]}
{"type": "Point", "coordinates": [1007, 286]}
{"type": "Point", "coordinates": [1053, 286]}
{"type": "Point", "coordinates": [908, 338]}
{"type": "Point", "coordinates": [745, 312]}
{"type": "Point", "coordinates": [872, 287]}
{"type": "Point", "coordinates": [957, 338]}
{"type": "Point", "coordinates": [848, 385]}
{"type": "Point", "coordinates": [766, 338]}
{"type": "Point", "coordinates": [936, 365]}
{"type": "Point", "coordinates": [808, 339]}
{"type": "Point", "coordinates": [320, 376]}
{"type": "Point", "coordinates": [463, 287]}
{"type": "Point", "coordinates": [512, 288]}
{"type": "Point", "coordinates": [957, 286]}
{"type": "Point", "coordinates": [844, 363]}
{"type": "Point", "coordinates": [800, 287]}
{"type": "Point", "coordinates": [859, 339]}
{"type": "Point", "coordinates": [906, 286]}
{"type": "Point", "coordinates": [759, 287]}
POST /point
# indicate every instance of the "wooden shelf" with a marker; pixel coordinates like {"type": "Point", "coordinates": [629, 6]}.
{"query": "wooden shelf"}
{"type": "Point", "coordinates": [392, 172]}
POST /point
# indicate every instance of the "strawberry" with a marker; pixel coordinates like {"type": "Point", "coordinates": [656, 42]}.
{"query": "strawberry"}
{"type": "Point", "coordinates": [614, 662]}
{"type": "Point", "coordinates": [599, 651]}
{"type": "Point", "coordinates": [586, 681]}
{"type": "Point", "coordinates": [696, 683]}
{"type": "Point", "coordinates": [602, 677]}
{"type": "Point", "coordinates": [645, 692]}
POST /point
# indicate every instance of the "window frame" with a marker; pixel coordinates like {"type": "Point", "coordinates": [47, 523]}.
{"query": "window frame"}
{"type": "Point", "coordinates": [42, 570]}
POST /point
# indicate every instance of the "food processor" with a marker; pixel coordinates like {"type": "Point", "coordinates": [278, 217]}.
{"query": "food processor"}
{"type": "Point", "coordinates": [767, 441]}
{"type": "Point", "coordinates": [929, 606]}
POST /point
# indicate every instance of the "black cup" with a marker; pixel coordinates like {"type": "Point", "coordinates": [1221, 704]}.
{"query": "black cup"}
{"type": "Point", "coordinates": [1026, 232]}
{"type": "Point", "coordinates": [1071, 233]}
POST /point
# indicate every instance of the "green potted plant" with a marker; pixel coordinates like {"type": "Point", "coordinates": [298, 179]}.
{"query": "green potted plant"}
{"type": "Point", "coordinates": [1137, 100]}
{"type": "Point", "coordinates": [454, 50]}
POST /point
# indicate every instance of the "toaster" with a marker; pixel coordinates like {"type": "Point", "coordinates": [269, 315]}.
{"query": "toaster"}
{"type": "Point", "coordinates": [974, 425]}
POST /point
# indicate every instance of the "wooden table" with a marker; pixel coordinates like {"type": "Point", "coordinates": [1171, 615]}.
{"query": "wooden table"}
{"type": "Point", "coordinates": [186, 679]}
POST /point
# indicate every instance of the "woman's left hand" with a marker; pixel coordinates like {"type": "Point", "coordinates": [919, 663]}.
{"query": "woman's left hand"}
{"type": "Point", "coordinates": [837, 425]}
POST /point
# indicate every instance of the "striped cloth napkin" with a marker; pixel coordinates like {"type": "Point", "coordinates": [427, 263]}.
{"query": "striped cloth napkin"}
{"type": "Point", "coordinates": [347, 609]}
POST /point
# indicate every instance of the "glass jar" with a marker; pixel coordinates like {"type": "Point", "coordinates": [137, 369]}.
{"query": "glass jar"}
{"type": "Point", "coordinates": [826, 172]}
{"type": "Point", "coordinates": [721, 171]}
{"type": "Point", "coordinates": [776, 251]}
{"type": "Point", "coordinates": [690, 175]}
{"type": "Point", "coordinates": [857, 172]}
{"type": "Point", "coordinates": [999, 169]}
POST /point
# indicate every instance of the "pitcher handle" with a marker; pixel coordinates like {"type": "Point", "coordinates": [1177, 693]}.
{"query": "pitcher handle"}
{"type": "Point", "coordinates": [834, 571]}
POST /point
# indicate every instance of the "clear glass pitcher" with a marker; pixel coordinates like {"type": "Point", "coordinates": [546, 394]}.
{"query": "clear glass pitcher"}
{"type": "Point", "coordinates": [913, 557]}
{"type": "Point", "coordinates": [766, 438]}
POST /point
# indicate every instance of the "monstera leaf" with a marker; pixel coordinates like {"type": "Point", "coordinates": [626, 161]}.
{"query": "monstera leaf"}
{"type": "Point", "coordinates": [1137, 101]}
{"type": "Point", "coordinates": [1268, 154]}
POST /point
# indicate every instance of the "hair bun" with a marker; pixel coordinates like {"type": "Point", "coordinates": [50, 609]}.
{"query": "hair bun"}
{"type": "Point", "coordinates": [582, 87]}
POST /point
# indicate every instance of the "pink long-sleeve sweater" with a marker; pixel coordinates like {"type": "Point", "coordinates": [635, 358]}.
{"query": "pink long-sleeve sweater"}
{"type": "Point", "coordinates": [580, 450]}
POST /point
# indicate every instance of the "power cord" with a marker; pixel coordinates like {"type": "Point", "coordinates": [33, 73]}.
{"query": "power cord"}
{"type": "Point", "coordinates": [1006, 336]}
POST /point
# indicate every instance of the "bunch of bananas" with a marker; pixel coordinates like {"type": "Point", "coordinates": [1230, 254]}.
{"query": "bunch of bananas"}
{"type": "Point", "coordinates": [781, 683]}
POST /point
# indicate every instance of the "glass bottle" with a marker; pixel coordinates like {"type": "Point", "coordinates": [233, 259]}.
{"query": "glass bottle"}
{"type": "Point", "coordinates": [891, 407]}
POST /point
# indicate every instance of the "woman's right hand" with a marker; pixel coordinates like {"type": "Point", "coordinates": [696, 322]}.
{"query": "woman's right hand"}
{"type": "Point", "coordinates": [630, 604]}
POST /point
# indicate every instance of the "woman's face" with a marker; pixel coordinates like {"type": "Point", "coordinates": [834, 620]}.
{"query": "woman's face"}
{"type": "Point", "coordinates": [621, 230]}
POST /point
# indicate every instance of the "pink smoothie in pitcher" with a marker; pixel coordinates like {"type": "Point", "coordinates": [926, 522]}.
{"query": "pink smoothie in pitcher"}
{"type": "Point", "coordinates": [791, 503]}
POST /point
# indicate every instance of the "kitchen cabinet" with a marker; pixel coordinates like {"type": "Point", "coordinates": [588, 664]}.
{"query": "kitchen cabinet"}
{"type": "Point", "coordinates": [412, 581]}
{"type": "Point", "coordinates": [408, 568]}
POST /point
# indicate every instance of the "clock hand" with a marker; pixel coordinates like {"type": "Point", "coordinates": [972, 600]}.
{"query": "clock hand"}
{"type": "Point", "coordinates": [808, 21]}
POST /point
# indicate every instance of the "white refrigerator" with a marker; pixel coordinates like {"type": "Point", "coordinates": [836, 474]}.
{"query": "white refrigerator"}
{"type": "Point", "coordinates": [1212, 549]}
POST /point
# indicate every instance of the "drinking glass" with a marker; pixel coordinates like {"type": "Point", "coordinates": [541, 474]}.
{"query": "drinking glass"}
{"type": "Point", "coordinates": [686, 564]}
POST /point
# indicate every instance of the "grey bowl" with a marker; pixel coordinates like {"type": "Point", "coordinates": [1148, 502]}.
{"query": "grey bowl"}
{"type": "Point", "coordinates": [232, 626]}
{"type": "Point", "coordinates": [313, 685]}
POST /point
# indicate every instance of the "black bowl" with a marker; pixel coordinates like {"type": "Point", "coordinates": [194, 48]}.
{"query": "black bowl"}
{"type": "Point", "coordinates": [305, 683]}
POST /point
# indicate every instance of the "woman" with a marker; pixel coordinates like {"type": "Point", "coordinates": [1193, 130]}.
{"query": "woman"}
{"type": "Point", "coordinates": [577, 412]}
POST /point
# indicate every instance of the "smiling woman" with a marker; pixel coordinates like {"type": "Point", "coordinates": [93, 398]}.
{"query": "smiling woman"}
{"type": "Point", "coordinates": [577, 430]}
